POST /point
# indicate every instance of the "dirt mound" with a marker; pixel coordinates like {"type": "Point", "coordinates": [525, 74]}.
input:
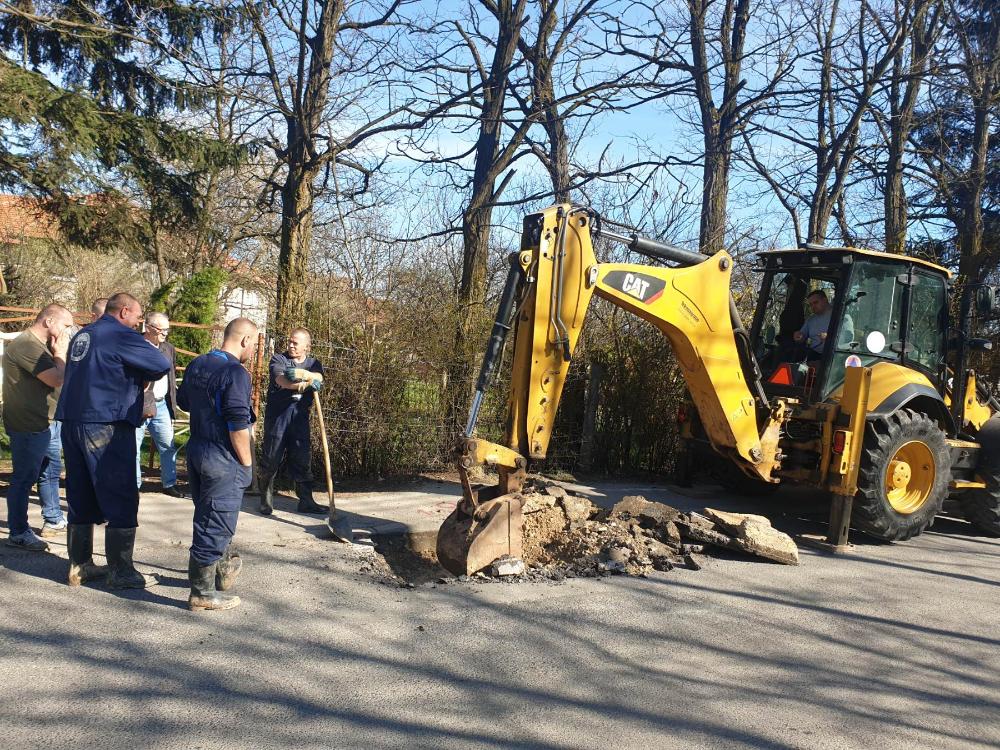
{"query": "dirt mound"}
{"type": "Point", "coordinates": [566, 535]}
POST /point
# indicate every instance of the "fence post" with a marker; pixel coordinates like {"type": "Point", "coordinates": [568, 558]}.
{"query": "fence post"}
{"type": "Point", "coordinates": [596, 373]}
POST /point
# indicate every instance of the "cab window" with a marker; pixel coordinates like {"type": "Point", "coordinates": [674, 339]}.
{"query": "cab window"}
{"type": "Point", "coordinates": [928, 322]}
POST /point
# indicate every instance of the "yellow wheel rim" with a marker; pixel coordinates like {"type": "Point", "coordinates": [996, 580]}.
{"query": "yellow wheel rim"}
{"type": "Point", "coordinates": [909, 477]}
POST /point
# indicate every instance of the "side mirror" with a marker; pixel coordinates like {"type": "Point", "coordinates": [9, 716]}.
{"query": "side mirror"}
{"type": "Point", "coordinates": [980, 345]}
{"type": "Point", "coordinates": [987, 300]}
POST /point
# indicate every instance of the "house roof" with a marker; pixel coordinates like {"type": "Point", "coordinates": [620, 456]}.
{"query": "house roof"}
{"type": "Point", "coordinates": [22, 217]}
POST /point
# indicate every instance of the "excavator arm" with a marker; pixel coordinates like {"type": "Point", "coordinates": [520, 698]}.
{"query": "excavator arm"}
{"type": "Point", "coordinates": [549, 289]}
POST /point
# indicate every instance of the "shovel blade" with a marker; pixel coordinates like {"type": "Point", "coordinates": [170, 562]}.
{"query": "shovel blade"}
{"type": "Point", "coordinates": [340, 527]}
{"type": "Point", "coordinates": [468, 543]}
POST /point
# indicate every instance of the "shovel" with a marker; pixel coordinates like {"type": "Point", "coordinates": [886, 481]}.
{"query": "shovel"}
{"type": "Point", "coordinates": [339, 526]}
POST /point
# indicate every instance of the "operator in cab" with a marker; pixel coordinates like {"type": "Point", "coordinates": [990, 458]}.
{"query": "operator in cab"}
{"type": "Point", "coordinates": [812, 334]}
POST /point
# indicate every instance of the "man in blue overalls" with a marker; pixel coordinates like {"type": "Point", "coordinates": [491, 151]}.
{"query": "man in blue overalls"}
{"type": "Point", "coordinates": [295, 376]}
{"type": "Point", "coordinates": [216, 393]}
{"type": "Point", "coordinates": [100, 407]}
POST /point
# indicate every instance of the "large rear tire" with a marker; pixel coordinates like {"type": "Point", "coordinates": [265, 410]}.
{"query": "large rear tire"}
{"type": "Point", "coordinates": [982, 507]}
{"type": "Point", "coordinates": [904, 476]}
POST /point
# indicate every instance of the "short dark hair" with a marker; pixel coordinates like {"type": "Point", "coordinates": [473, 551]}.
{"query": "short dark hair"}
{"type": "Point", "coordinates": [818, 293]}
{"type": "Point", "coordinates": [119, 301]}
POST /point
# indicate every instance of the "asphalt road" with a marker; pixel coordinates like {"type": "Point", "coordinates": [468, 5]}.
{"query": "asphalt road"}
{"type": "Point", "coordinates": [891, 646]}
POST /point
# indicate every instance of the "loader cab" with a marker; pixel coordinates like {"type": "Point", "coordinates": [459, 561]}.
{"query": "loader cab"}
{"type": "Point", "coordinates": [878, 308]}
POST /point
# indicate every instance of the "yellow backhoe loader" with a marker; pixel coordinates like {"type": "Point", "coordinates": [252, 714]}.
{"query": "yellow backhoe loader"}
{"type": "Point", "coordinates": [860, 402]}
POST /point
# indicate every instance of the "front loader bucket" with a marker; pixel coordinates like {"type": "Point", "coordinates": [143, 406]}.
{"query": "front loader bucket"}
{"type": "Point", "coordinates": [468, 543]}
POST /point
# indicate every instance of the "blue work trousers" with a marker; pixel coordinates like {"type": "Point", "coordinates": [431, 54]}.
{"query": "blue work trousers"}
{"type": "Point", "coordinates": [161, 430]}
{"type": "Point", "coordinates": [286, 438]}
{"type": "Point", "coordinates": [217, 481]}
{"type": "Point", "coordinates": [36, 460]}
{"type": "Point", "coordinates": [100, 473]}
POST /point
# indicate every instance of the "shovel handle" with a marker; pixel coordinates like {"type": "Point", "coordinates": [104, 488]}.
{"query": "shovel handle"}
{"type": "Point", "coordinates": [326, 452]}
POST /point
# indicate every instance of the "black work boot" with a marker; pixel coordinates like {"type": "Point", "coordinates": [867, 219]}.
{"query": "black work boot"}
{"type": "Point", "coordinates": [118, 546]}
{"type": "Point", "coordinates": [203, 592]}
{"type": "Point", "coordinates": [304, 491]}
{"type": "Point", "coordinates": [80, 546]}
{"type": "Point", "coordinates": [266, 486]}
{"type": "Point", "coordinates": [229, 567]}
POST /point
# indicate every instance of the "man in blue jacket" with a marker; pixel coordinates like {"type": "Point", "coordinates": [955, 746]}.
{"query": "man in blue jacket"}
{"type": "Point", "coordinates": [107, 367]}
{"type": "Point", "coordinates": [295, 376]}
{"type": "Point", "coordinates": [216, 393]}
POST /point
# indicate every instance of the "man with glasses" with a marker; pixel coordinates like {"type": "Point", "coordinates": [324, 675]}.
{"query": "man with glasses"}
{"type": "Point", "coordinates": [160, 409]}
{"type": "Point", "coordinates": [33, 367]}
{"type": "Point", "coordinates": [107, 367]}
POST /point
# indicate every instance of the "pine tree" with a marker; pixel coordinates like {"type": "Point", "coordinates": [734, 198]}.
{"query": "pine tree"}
{"type": "Point", "coordinates": [89, 111]}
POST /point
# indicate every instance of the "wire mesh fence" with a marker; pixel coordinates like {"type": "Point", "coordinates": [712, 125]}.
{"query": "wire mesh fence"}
{"type": "Point", "coordinates": [387, 414]}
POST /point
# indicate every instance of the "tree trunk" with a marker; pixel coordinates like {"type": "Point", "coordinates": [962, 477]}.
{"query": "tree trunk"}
{"type": "Point", "coordinates": [902, 107]}
{"type": "Point", "coordinates": [715, 193]}
{"type": "Point", "coordinates": [490, 161]}
{"type": "Point", "coordinates": [296, 238]}
{"type": "Point", "coordinates": [719, 124]}
{"type": "Point", "coordinates": [161, 263]}
{"type": "Point", "coordinates": [970, 231]}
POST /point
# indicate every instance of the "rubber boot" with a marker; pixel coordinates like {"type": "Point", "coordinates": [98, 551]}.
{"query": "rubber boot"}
{"type": "Point", "coordinates": [203, 592]}
{"type": "Point", "coordinates": [80, 546]}
{"type": "Point", "coordinates": [266, 483]}
{"type": "Point", "coordinates": [229, 567]}
{"type": "Point", "coordinates": [304, 491]}
{"type": "Point", "coordinates": [118, 547]}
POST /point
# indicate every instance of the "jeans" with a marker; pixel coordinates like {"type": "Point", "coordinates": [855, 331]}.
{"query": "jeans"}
{"type": "Point", "coordinates": [161, 429]}
{"type": "Point", "coordinates": [35, 456]}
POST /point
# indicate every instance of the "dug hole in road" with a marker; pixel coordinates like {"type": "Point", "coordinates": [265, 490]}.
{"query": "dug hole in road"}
{"type": "Point", "coordinates": [888, 646]}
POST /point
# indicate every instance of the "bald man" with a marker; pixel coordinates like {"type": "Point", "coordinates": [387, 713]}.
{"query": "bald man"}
{"type": "Point", "coordinates": [160, 409]}
{"type": "Point", "coordinates": [33, 367]}
{"type": "Point", "coordinates": [216, 393]}
{"type": "Point", "coordinates": [295, 376]}
{"type": "Point", "coordinates": [108, 365]}
{"type": "Point", "coordinates": [97, 309]}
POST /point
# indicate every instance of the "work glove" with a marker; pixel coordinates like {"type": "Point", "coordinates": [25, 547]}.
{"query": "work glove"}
{"type": "Point", "coordinates": [295, 374]}
{"type": "Point", "coordinates": [316, 384]}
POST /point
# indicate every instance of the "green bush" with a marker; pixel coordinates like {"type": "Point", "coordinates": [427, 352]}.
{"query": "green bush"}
{"type": "Point", "coordinates": [197, 301]}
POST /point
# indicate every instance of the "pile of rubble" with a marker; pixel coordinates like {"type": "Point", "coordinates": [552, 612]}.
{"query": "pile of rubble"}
{"type": "Point", "coordinates": [568, 536]}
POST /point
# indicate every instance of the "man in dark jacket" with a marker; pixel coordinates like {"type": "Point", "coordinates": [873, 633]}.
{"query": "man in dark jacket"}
{"type": "Point", "coordinates": [216, 393]}
{"type": "Point", "coordinates": [294, 376]}
{"type": "Point", "coordinates": [160, 409]}
{"type": "Point", "coordinates": [108, 366]}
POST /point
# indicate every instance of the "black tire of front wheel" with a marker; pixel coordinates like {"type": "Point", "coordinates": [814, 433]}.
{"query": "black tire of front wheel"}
{"type": "Point", "coordinates": [873, 513]}
{"type": "Point", "coordinates": [982, 507]}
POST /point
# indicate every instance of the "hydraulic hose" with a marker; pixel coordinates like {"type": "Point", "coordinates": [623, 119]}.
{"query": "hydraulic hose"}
{"type": "Point", "coordinates": [494, 346]}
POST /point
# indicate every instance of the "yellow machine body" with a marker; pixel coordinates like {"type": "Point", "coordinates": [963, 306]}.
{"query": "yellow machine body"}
{"type": "Point", "coordinates": [690, 304]}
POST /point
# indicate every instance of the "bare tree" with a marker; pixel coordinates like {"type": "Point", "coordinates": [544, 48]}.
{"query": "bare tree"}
{"type": "Point", "coordinates": [727, 59]}
{"type": "Point", "coordinates": [336, 77]}
{"type": "Point", "coordinates": [823, 111]}
{"type": "Point", "coordinates": [905, 81]}
{"type": "Point", "coordinates": [954, 138]}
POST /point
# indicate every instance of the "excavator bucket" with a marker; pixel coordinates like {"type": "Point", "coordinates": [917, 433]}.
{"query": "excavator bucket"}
{"type": "Point", "coordinates": [468, 541]}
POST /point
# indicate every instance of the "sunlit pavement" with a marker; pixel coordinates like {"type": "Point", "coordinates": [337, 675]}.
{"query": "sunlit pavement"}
{"type": "Point", "coordinates": [890, 646]}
